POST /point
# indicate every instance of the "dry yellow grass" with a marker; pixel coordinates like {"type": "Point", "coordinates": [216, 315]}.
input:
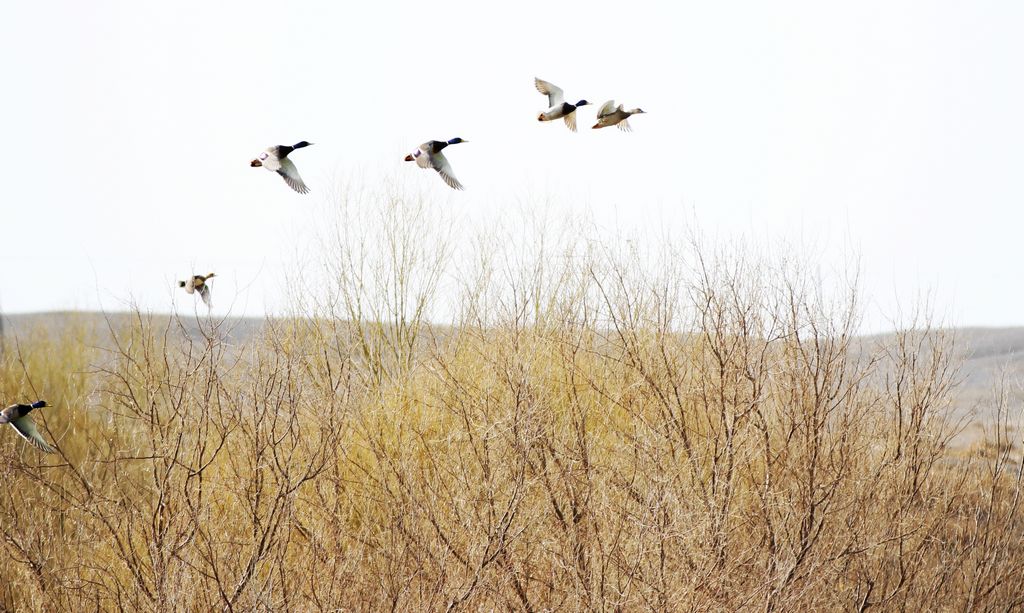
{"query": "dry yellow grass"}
{"type": "Point", "coordinates": [585, 436]}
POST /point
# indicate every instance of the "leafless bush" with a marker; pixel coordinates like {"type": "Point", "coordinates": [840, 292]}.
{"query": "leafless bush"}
{"type": "Point", "coordinates": [602, 426]}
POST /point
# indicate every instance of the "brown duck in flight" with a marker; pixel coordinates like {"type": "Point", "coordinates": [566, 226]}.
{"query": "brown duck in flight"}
{"type": "Point", "coordinates": [199, 283]}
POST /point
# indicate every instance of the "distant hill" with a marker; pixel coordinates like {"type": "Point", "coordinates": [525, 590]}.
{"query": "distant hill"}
{"type": "Point", "coordinates": [236, 330]}
{"type": "Point", "coordinates": [989, 355]}
{"type": "Point", "coordinates": [992, 357]}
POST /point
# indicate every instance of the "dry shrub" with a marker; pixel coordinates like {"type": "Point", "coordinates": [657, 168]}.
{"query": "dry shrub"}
{"type": "Point", "coordinates": [601, 427]}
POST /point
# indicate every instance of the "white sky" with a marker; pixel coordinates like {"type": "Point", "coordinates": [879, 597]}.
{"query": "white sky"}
{"type": "Point", "coordinates": [890, 129]}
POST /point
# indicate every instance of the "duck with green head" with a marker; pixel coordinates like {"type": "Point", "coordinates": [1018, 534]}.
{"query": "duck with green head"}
{"type": "Point", "coordinates": [275, 159]}
{"type": "Point", "coordinates": [558, 107]}
{"type": "Point", "coordinates": [428, 155]}
{"type": "Point", "coordinates": [17, 416]}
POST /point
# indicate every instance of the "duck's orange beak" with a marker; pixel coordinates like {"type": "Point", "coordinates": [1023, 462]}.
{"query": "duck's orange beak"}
{"type": "Point", "coordinates": [255, 163]}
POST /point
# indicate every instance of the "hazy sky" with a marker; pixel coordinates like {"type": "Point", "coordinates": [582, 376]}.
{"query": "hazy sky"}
{"type": "Point", "coordinates": [890, 129]}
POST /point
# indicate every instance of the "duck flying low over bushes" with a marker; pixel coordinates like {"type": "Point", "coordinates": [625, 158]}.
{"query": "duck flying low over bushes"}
{"type": "Point", "coordinates": [428, 155]}
{"type": "Point", "coordinates": [558, 107]}
{"type": "Point", "coordinates": [276, 159]}
{"type": "Point", "coordinates": [610, 115]}
{"type": "Point", "coordinates": [17, 416]}
{"type": "Point", "coordinates": [199, 283]}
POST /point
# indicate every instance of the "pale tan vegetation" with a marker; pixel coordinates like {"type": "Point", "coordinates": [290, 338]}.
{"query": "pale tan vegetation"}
{"type": "Point", "coordinates": [599, 427]}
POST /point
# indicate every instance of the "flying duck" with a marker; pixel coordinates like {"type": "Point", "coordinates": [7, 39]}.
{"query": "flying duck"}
{"type": "Point", "coordinates": [199, 283]}
{"type": "Point", "coordinates": [17, 416]}
{"type": "Point", "coordinates": [610, 115]}
{"type": "Point", "coordinates": [559, 108]}
{"type": "Point", "coordinates": [428, 155]}
{"type": "Point", "coordinates": [276, 159]}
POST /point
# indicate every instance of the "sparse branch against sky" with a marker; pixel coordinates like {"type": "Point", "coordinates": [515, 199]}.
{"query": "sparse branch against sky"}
{"type": "Point", "coordinates": [890, 130]}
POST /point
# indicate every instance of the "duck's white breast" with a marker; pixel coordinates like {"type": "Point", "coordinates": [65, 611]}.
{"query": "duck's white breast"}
{"type": "Point", "coordinates": [554, 112]}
